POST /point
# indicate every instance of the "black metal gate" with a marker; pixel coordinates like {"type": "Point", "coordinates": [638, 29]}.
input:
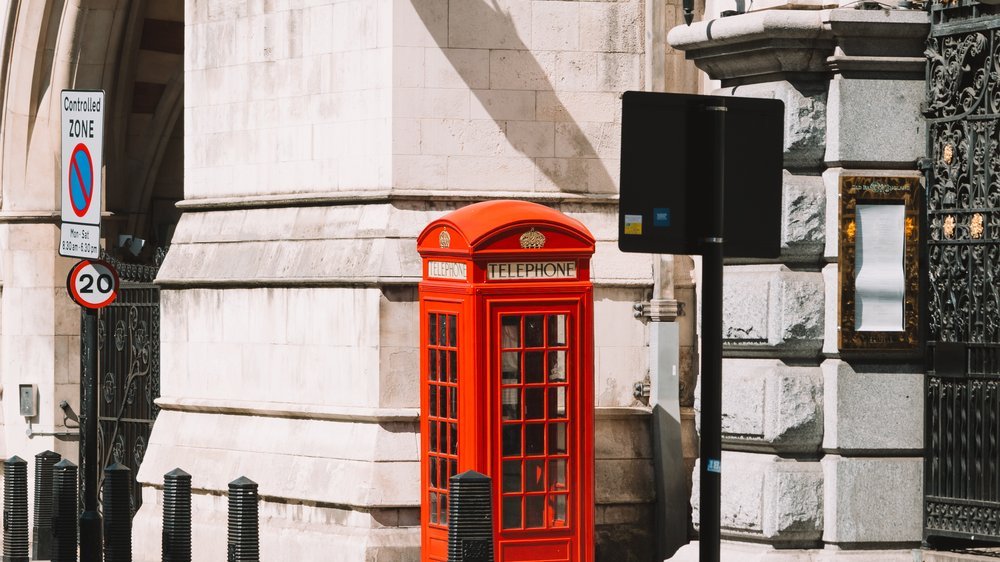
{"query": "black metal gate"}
{"type": "Point", "coordinates": [128, 342]}
{"type": "Point", "coordinates": [962, 388]}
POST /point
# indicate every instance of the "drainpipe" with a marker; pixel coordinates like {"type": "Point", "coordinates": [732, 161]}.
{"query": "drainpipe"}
{"type": "Point", "coordinates": [671, 346]}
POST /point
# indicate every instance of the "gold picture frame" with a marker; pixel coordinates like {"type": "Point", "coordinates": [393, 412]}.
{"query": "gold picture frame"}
{"type": "Point", "coordinates": [876, 190]}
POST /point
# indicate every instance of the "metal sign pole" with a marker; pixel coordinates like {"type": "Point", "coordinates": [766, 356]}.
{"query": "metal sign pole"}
{"type": "Point", "coordinates": [90, 520]}
{"type": "Point", "coordinates": [711, 351]}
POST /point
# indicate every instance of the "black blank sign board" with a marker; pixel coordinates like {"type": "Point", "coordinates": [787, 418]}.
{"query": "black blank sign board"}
{"type": "Point", "coordinates": [668, 152]}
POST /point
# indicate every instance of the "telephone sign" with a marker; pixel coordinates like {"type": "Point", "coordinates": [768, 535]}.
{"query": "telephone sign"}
{"type": "Point", "coordinates": [92, 283]}
{"type": "Point", "coordinates": [80, 179]}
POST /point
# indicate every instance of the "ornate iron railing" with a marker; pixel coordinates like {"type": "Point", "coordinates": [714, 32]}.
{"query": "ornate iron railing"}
{"type": "Point", "coordinates": [962, 388]}
{"type": "Point", "coordinates": [128, 345]}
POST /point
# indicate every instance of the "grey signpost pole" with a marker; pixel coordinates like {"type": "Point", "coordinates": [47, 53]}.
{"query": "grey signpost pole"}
{"type": "Point", "coordinates": [711, 350]}
{"type": "Point", "coordinates": [90, 520]}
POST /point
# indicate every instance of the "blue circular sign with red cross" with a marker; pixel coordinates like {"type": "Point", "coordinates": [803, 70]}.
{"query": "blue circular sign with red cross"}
{"type": "Point", "coordinates": [81, 179]}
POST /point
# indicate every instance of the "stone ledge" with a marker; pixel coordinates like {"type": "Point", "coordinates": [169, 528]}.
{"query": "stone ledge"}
{"type": "Point", "coordinates": [768, 498]}
{"type": "Point", "coordinates": [768, 406]}
{"type": "Point", "coordinates": [288, 410]}
{"type": "Point", "coordinates": [758, 46]}
{"type": "Point", "coordinates": [746, 552]}
{"type": "Point", "coordinates": [872, 500]}
{"type": "Point", "coordinates": [772, 311]}
{"type": "Point", "coordinates": [878, 410]}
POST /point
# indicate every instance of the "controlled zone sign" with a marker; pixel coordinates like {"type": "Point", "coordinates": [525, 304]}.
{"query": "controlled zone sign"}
{"type": "Point", "coordinates": [80, 180]}
{"type": "Point", "coordinates": [92, 283]}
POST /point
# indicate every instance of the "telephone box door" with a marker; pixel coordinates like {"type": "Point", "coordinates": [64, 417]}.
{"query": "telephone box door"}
{"type": "Point", "coordinates": [540, 423]}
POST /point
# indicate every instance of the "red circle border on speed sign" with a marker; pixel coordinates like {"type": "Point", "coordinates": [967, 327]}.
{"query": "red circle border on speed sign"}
{"type": "Point", "coordinates": [78, 293]}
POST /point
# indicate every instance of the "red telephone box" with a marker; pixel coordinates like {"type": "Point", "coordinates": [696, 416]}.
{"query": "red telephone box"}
{"type": "Point", "coordinates": [506, 331]}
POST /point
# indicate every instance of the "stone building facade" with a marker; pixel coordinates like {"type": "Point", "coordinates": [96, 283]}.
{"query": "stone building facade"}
{"type": "Point", "coordinates": [289, 152]}
{"type": "Point", "coordinates": [822, 450]}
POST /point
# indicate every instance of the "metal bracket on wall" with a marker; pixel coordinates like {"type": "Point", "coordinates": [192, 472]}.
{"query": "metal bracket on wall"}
{"type": "Point", "coordinates": [658, 310]}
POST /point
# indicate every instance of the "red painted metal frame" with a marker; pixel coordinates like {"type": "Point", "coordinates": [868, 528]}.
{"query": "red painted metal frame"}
{"type": "Point", "coordinates": [477, 235]}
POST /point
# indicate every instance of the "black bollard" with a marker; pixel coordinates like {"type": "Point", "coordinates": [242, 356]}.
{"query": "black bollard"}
{"type": "Point", "coordinates": [244, 540]}
{"type": "Point", "coordinates": [41, 533]}
{"type": "Point", "coordinates": [177, 516]}
{"type": "Point", "coordinates": [15, 510]}
{"type": "Point", "coordinates": [117, 514]}
{"type": "Point", "coordinates": [65, 512]}
{"type": "Point", "coordinates": [470, 518]}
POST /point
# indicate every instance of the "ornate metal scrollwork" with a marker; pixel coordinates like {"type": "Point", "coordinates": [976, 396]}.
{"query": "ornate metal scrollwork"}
{"type": "Point", "coordinates": [131, 363]}
{"type": "Point", "coordinates": [963, 268]}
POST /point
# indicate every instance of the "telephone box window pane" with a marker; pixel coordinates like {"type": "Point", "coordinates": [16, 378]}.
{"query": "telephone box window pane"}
{"type": "Point", "coordinates": [453, 441]}
{"type": "Point", "coordinates": [442, 402]}
{"type": "Point", "coordinates": [432, 365]}
{"type": "Point", "coordinates": [557, 439]}
{"type": "Point", "coordinates": [534, 475]}
{"type": "Point", "coordinates": [534, 438]}
{"type": "Point", "coordinates": [557, 402]}
{"type": "Point", "coordinates": [557, 330]}
{"type": "Point", "coordinates": [534, 402]}
{"type": "Point", "coordinates": [434, 435]}
{"type": "Point", "coordinates": [512, 476]}
{"type": "Point", "coordinates": [453, 403]}
{"type": "Point", "coordinates": [452, 470]}
{"type": "Point", "coordinates": [534, 366]}
{"type": "Point", "coordinates": [434, 400]}
{"type": "Point", "coordinates": [432, 329]}
{"type": "Point", "coordinates": [511, 403]}
{"type": "Point", "coordinates": [512, 440]}
{"type": "Point", "coordinates": [452, 332]}
{"type": "Point", "coordinates": [442, 329]}
{"type": "Point", "coordinates": [452, 366]}
{"type": "Point", "coordinates": [557, 366]}
{"type": "Point", "coordinates": [511, 366]}
{"type": "Point", "coordinates": [512, 512]}
{"type": "Point", "coordinates": [433, 470]}
{"type": "Point", "coordinates": [557, 474]}
{"type": "Point", "coordinates": [434, 507]}
{"type": "Point", "coordinates": [534, 512]}
{"type": "Point", "coordinates": [533, 335]}
{"type": "Point", "coordinates": [558, 511]}
{"type": "Point", "coordinates": [444, 509]}
{"type": "Point", "coordinates": [510, 330]}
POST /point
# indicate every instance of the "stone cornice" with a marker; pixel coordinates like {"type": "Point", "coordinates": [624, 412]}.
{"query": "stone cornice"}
{"type": "Point", "coordinates": [759, 46]}
{"type": "Point", "coordinates": [384, 196]}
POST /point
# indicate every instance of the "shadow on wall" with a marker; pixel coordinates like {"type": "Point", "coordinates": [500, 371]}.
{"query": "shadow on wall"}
{"type": "Point", "coordinates": [579, 170]}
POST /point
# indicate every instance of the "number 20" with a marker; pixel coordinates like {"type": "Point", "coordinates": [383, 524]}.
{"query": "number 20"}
{"type": "Point", "coordinates": [104, 283]}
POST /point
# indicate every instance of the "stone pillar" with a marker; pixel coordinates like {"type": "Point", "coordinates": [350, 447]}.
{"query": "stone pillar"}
{"type": "Point", "coordinates": [873, 428]}
{"type": "Point", "coordinates": [804, 438]}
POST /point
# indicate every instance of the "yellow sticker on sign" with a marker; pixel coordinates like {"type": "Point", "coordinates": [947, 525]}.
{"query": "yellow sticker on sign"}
{"type": "Point", "coordinates": [633, 224]}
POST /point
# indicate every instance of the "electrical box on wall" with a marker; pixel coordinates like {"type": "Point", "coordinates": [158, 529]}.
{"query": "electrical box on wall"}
{"type": "Point", "coordinates": [27, 400]}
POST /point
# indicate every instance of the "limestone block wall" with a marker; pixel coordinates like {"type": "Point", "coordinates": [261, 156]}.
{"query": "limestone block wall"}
{"type": "Point", "coordinates": [514, 95]}
{"type": "Point", "coordinates": [820, 449]}
{"type": "Point", "coordinates": [320, 138]}
{"type": "Point", "coordinates": [283, 99]}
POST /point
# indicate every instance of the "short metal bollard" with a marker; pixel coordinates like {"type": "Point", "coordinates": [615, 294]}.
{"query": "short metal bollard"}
{"type": "Point", "coordinates": [117, 514]}
{"type": "Point", "coordinates": [65, 511]}
{"type": "Point", "coordinates": [244, 540]}
{"type": "Point", "coordinates": [470, 518]}
{"type": "Point", "coordinates": [41, 533]}
{"type": "Point", "coordinates": [15, 510]}
{"type": "Point", "coordinates": [177, 516]}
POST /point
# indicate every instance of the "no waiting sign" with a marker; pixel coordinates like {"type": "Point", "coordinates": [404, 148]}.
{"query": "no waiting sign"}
{"type": "Point", "coordinates": [80, 180]}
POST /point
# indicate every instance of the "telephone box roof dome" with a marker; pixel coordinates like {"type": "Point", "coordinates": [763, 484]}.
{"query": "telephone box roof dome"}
{"type": "Point", "coordinates": [481, 222]}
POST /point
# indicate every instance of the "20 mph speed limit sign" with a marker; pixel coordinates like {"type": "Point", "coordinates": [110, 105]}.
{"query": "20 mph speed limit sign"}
{"type": "Point", "coordinates": [92, 283]}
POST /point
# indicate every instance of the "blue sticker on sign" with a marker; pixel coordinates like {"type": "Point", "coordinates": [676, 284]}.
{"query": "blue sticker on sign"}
{"type": "Point", "coordinates": [715, 465]}
{"type": "Point", "coordinates": [661, 217]}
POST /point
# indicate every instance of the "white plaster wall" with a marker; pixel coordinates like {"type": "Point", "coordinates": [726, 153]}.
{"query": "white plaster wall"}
{"type": "Point", "coordinates": [287, 97]}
